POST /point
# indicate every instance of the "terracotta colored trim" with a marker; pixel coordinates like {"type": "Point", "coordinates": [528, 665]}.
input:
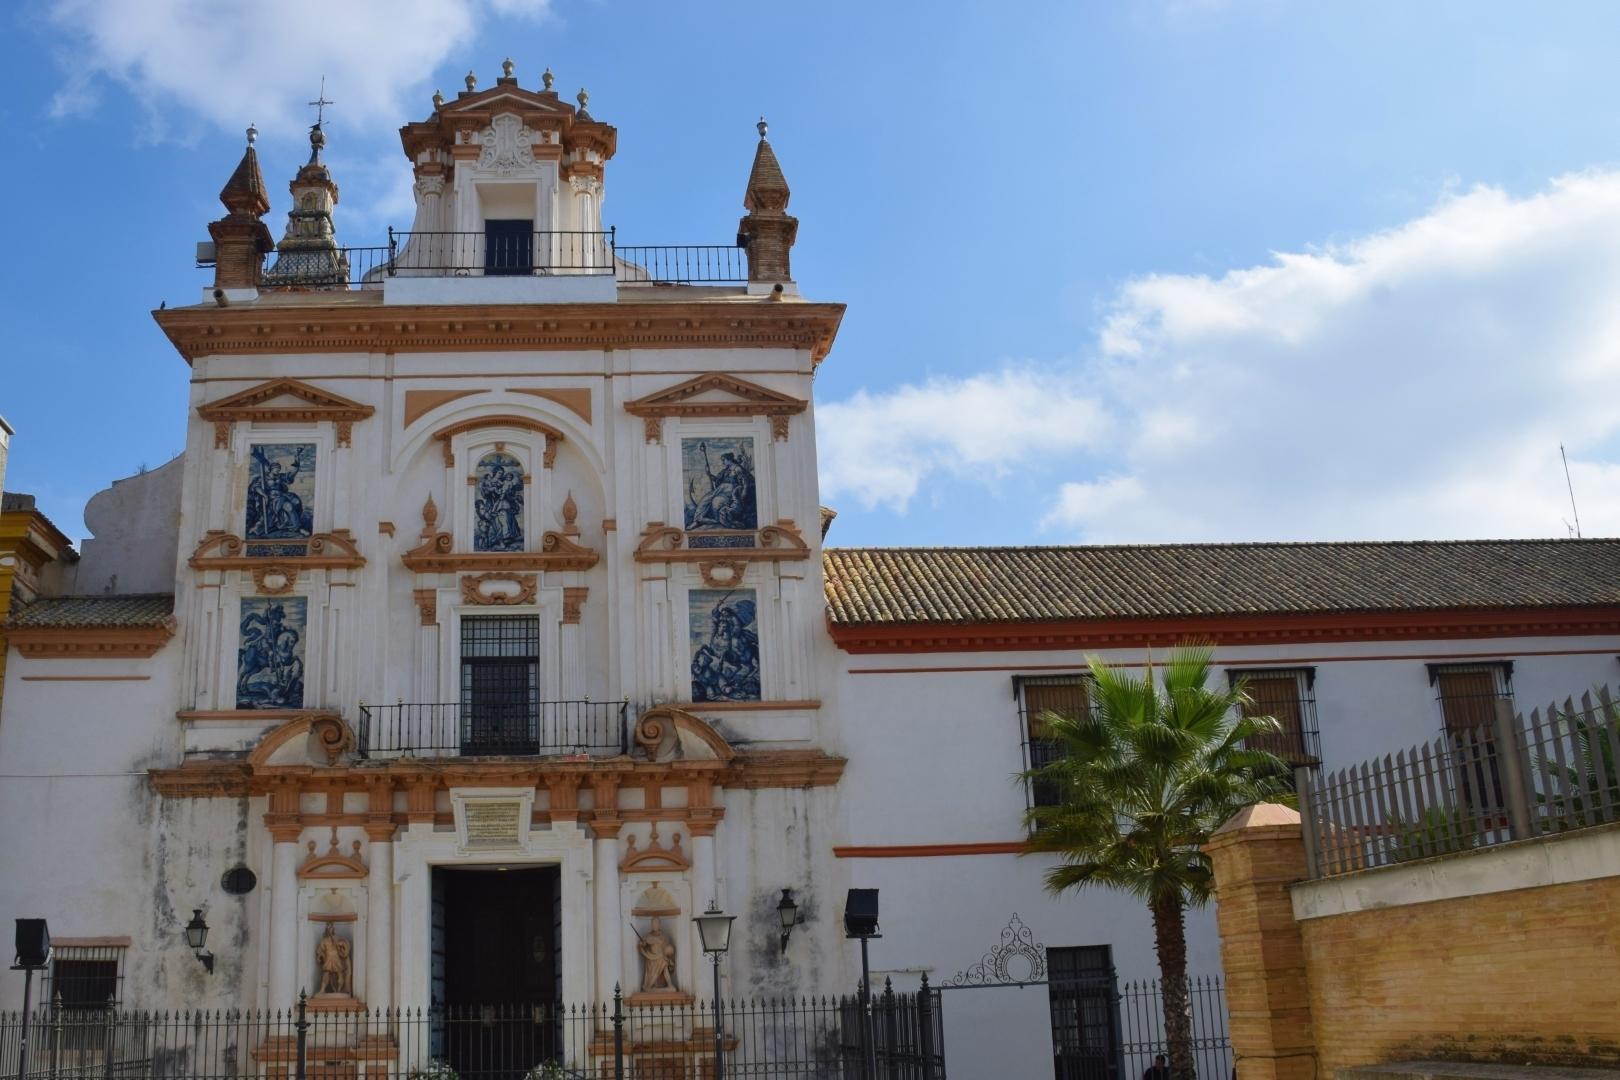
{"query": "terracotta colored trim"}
{"type": "Point", "coordinates": [662, 543]}
{"type": "Point", "coordinates": [220, 550]}
{"type": "Point", "coordinates": [1227, 630]}
{"type": "Point", "coordinates": [1272, 661]}
{"type": "Point", "coordinates": [748, 769]}
{"type": "Point", "coordinates": [926, 851]}
{"type": "Point", "coordinates": [623, 324]}
{"type": "Point", "coordinates": [418, 403]}
{"type": "Point", "coordinates": [85, 678]}
{"type": "Point", "coordinates": [114, 941]}
{"type": "Point", "coordinates": [494, 375]}
{"type": "Point", "coordinates": [575, 399]}
{"type": "Point", "coordinates": [90, 642]}
{"type": "Point", "coordinates": [268, 716]}
{"type": "Point", "coordinates": [744, 706]}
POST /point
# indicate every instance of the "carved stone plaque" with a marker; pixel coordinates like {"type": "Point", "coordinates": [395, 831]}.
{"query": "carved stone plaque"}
{"type": "Point", "coordinates": [493, 823]}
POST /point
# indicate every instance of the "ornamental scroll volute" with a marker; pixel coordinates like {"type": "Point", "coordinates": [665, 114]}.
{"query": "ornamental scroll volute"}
{"type": "Point", "coordinates": [1018, 959]}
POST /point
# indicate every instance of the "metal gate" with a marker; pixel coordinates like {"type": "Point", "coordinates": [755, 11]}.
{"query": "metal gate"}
{"type": "Point", "coordinates": [1098, 1031]}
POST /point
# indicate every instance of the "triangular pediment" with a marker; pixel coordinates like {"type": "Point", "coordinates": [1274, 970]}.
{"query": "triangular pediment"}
{"type": "Point", "coordinates": [284, 400]}
{"type": "Point", "coordinates": [716, 394]}
{"type": "Point", "coordinates": [505, 99]}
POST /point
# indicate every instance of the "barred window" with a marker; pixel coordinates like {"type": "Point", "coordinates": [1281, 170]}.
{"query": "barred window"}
{"type": "Point", "coordinates": [1064, 695]}
{"type": "Point", "coordinates": [87, 973]}
{"type": "Point", "coordinates": [1289, 695]}
{"type": "Point", "coordinates": [1468, 693]}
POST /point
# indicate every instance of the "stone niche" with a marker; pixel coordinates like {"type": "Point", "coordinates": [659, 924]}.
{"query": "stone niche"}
{"type": "Point", "coordinates": [332, 903]}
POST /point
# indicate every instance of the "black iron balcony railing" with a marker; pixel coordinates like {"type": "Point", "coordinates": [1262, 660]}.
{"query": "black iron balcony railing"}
{"type": "Point", "coordinates": [503, 253]}
{"type": "Point", "coordinates": [520, 729]}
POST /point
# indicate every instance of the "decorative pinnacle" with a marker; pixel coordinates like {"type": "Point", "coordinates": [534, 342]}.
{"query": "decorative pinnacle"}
{"type": "Point", "coordinates": [507, 67]}
{"type": "Point", "coordinates": [438, 100]}
{"type": "Point", "coordinates": [472, 82]}
{"type": "Point", "coordinates": [252, 134]}
{"type": "Point", "coordinates": [583, 98]}
{"type": "Point", "coordinates": [548, 78]}
{"type": "Point", "coordinates": [763, 127]}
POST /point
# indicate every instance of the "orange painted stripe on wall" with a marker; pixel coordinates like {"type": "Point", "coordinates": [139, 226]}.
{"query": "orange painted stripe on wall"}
{"type": "Point", "coordinates": [925, 851]}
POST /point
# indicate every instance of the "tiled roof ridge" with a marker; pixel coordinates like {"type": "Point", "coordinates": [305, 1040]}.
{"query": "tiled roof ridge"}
{"type": "Point", "coordinates": [1215, 545]}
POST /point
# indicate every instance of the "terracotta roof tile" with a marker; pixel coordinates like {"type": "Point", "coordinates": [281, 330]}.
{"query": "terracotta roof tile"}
{"type": "Point", "coordinates": [866, 586]}
{"type": "Point", "coordinates": [74, 612]}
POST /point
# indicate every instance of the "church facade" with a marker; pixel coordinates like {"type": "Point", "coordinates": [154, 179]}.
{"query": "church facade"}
{"type": "Point", "coordinates": [484, 633]}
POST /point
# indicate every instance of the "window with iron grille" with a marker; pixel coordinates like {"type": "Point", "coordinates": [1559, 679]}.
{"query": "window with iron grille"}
{"type": "Point", "coordinates": [86, 976]}
{"type": "Point", "coordinates": [1039, 696]}
{"type": "Point", "coordinates": [500, 684]}
{"type": "Point", "coordinates": [1289, 696]}
{"type": "Point", "coordinates": [1469, 695]}
{"type": "Point", "coordinates": [1084, 1000]}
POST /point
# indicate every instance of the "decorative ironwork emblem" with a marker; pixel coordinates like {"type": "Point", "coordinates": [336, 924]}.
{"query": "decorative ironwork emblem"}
{"type": "Point", "coordinates": [992, 969]}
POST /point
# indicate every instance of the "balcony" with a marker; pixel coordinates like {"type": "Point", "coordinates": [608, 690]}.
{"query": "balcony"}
{"type": "Point", "coordinates": [556, 729]}
{"type": "Point", "coordinates": [567, 263]}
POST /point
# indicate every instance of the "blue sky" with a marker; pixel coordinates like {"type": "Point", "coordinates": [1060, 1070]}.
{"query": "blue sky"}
{"type": "Point", "coordinates": [1138, 271]}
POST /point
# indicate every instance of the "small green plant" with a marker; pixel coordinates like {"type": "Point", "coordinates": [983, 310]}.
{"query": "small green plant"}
{"type": "Point", "coordinates": [1578, 797]}
{"type": "Point", "coordinates": [546, 1070]}
{"type": "Point", "coordinates": [1437, 831]}
{"type": "Point", "coordinates": [433, 1070]}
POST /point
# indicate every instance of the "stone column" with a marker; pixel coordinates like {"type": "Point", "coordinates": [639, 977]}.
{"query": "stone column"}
{"type": "Point", "coordinates": [704, 889]}
{"type": "Point", "coordinates": [1256, 856]}
{"type": "Point", "coordinates": [380, 898]}
{"type": "Point", "coordinates": [609, 933]}
{"type": "Point", "coordinates": [284, 917]}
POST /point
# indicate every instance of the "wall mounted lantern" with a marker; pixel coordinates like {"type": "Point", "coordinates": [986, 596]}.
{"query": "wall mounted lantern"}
{"type": "Point", "coordinates": [197, 937]}
{"type": "Point", "coordinates": [788, 912]}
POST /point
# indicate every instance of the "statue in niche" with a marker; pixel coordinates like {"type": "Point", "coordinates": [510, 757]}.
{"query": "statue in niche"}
{"type": "Point", "coordinates": [335, 962]}
{"type": "Point", "coordinates": [657, 959]}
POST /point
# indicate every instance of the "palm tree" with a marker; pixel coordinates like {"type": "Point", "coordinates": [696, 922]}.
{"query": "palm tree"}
{"type": "Point", "coordinates": [1141, 783]}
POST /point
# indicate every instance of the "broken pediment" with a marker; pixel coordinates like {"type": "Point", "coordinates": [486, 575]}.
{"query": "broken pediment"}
{"type": "Point", "coordinates": [654, 858]}
{"type": "Point", "coordinates": [283, 401]}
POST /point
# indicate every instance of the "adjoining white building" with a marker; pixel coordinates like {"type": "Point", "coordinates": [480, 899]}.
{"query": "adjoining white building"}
{"type": "Point", "coordinates": [485, 625]}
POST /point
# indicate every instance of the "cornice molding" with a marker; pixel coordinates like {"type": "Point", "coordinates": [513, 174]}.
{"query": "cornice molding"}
{"type": "Point", "coordinates": [1226, 630]}
{"type": "Point", "coordinates": [315, 328]}
{"type": "Point", "coordinates": [90, 642]}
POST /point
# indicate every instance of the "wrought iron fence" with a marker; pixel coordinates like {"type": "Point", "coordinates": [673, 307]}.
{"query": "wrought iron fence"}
{"type": "Point", "coordinates": [514, 729]}
{"type": "Point", "coordinates": [1509, 779]}
{"type": "Point", "coordinates": [316, 270]}
{"type": "Point", "coordinates": [1142, 1037]}
{"type": "Point", "coordinates": [899, 1037]}
{"type": "Point", "coordinates": [682, 264]}
{"type": "Point", "coordinates": [497, 253]}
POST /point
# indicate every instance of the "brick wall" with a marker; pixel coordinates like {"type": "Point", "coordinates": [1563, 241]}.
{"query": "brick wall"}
{"type": "Point", "coordinates": [1503, 954]}
{"type": "Point", "coordinates": [1531, 974]}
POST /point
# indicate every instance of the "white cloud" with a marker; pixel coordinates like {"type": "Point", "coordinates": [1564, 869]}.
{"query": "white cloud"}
{"type": "Point", "coordinates": [1411, 383]}
{"type": "Point", "coordinates": [880, 448]}
{"type": "Point", "coordinates": [231, 64]}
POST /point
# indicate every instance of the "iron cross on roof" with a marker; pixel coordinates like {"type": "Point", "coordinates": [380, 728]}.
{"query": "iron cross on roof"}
{"type": "Point", "coordinates": [320, 103]}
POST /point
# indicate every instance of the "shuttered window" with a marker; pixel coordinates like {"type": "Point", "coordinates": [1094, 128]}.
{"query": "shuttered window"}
{"type": "Point", "coordinates": [1064, 695]}
{"type": "Point", "coordinates": [1289, 695]}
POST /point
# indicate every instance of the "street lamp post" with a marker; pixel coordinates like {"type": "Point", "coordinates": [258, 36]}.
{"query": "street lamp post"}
{"type": "Point", "coordinates": [33, 954]}
{"type": "Point", "coordinates": [714, 928]}
{"type": "Point", "coordinates": [861, 922]}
